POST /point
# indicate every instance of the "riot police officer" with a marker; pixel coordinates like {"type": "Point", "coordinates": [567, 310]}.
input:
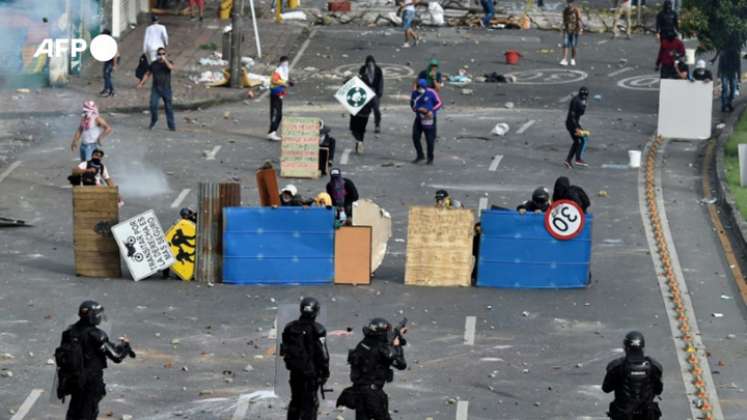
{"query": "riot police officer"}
{"type": "Point", "coordinates": [304, 350]}
{"type": "Point", "coordinates": [81, 360]}
{"type": "Point", "coordinates": [636, 380]}
{"type": "Point", "coordinates": [370, 367]}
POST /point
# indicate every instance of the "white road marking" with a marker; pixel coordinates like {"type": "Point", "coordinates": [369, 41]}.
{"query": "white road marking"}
{"type": "Point", "coordinates": [524, 127]}
{"type": "Point", "coordinates": [24, 409]}
{"type": "Point", "coordinates": [494, 164]}
{"type": "Point", "coordinates": [10, 169]}
{"type": "Point", "coordinates": [182, 195]}
{"type": "Point", "coordinates": [565, 98]}
{"type": "Point", "coordinates": [241, 407]}
{"type": "Point", "coordinates": [604, 41]}
{"type": "Point", "coordinates": [462, 411]}
{"type": "Point", "coordinates": [469, 331]}
{"type": "Point", "coordinates": [621, 71]}
{"type": "Point", "coordinates": [345, 156]}
{"type": "Point", "coordinates": [211, 154]}
{"type": "Point", "coordinates": [293, 63]}
{"type": "Point", "coordinates": [483, 204]}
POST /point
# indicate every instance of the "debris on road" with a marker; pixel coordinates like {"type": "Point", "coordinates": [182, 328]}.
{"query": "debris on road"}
{"type": "Point", "coordinates": [500, 129]}
{"type": "Point", "coordinates": [717, 315]}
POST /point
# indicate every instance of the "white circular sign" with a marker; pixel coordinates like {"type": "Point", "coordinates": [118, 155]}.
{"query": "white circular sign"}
{"type": "Point", "coordinates": [548, 76]}
{"type": "Point", "coordinates": [103, 48]}
{"type": "Point", "coordinates": [564, 220]}
{"type": "Point", "coordinates": [643, 82]}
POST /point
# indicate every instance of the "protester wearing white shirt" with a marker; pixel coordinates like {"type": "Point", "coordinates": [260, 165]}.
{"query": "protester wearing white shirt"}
{"type": "Point", "coordinates": [155, 37]}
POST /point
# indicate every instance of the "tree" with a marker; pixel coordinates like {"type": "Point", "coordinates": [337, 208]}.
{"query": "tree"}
{"type": "Point", "coordinates": [718, 24]}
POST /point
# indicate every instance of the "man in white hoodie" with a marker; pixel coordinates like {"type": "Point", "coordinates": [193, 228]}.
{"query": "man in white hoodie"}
{"type": "Point", "coordinates": [155, 37]}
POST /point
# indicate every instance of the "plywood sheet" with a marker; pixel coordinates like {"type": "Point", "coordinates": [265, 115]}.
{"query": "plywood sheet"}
{"type": "Point", "coordinates": [368, 213]}
{"type": "Point", "coordinates": [95, 211]}
{"type": "Point", "coordinates": [439, 247]}
{"type": "Point", "coordinates": [685, 109]}
{"type": "Point", "coordinates": [353, 255]}
{"type": "Point", "coordinates": [299, 151]}
{"type": "Point", "coordinates": [267, 187]}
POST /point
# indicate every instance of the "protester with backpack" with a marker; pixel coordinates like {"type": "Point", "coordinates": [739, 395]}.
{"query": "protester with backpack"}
{"type": "Point", "coordinates": [304, 350]}
{"type": "Point", "coordinates": [81, 360]}
{"type": "Point", "coordinates": [563, 190]}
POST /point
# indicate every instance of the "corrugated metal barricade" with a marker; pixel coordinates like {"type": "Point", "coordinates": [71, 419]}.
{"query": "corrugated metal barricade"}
{"type": "Point", "coordinates": [286, 245]}
{"type": "Point", "coordinates": [212, 198]}
{"type": "Point", "coordinates": [516, 251]}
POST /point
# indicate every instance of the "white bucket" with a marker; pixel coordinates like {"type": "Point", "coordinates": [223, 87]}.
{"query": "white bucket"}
{"type": "Point", "coordinates": [635, 158]}
{"type": "Point", "coordinates": [690, 56]}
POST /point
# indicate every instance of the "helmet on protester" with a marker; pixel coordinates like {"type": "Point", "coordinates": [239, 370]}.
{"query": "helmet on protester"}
{"type": "Point", "coordinates": [187, 213]}
{"type": "Point", "coordinates": [377, 327]}
{"type": "Point", "coordinates": [634, 342]}
{"type": "Point", "coordinates": [309, 307]}
{"type": "Point", "coordinates": [335, 172]}
{"type": "Point", "coordinates": [541, 195]}
{"type": "Point", "coordinates": [290, 189]}
{"type": "Point", "coordinates": [92, 312]}
{"type": "Point", "coordinates": [583, 92]}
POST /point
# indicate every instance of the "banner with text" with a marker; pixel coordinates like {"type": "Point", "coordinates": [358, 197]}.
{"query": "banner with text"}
{"type": "Point", "coordinates": [299, 153]}
{"type": "Point", "coordinates": [143, 245]}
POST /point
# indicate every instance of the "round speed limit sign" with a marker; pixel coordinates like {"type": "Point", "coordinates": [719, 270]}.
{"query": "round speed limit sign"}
{"type": "Point", "coordinates": [564, 220]}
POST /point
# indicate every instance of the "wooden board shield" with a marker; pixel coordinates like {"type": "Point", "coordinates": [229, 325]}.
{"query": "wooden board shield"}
{"type": "Point", "coordinates": [439, 247]}
{"type": "Point", "coordinates": [353, 255]}
{"type": "Point", "coordinates": [299, 151]}
{"type": "Point", "coordinates": [95, 211]}
{"type": "Point", "coordinates": [267, 187]}
{"type": "Point", "coordinates": [368, 213]}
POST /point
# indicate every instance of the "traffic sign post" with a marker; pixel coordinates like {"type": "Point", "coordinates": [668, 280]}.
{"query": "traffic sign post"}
{"type": "Point", "coordinates": [354, 95]}
{"type": "Point", "coordinates": [564, 220]}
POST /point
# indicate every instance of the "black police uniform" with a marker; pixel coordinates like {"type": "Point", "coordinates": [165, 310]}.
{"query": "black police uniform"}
{"type": "Point", "coordinates": [304, 382]}
{"type": "Point", "coordinates": [370, 367]}
{"type": "Point", "coordinates": [636, 382]}
{"type": "Point", "coordinates": [84, 402]}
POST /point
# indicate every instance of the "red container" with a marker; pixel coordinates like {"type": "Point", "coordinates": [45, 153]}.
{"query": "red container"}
{"type": "Point", "coordinates": [339, 6]}
{"type": "Point", "coordinates": [512, 57]}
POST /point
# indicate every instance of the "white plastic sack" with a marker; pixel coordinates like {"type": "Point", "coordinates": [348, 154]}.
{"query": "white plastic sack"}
{"type": "Point", "coordinates": [394, 18]}
{"type": "Point", "coordinates": [294, 15]}
{"type": "Point", "coordinates": [437, 13]}
{"type": "Point", "coordinates": [500, 129]}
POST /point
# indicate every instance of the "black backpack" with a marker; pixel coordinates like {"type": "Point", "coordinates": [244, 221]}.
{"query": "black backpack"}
{"type": "Point", "coordinates": [298, 346]}
{"type": "Point", "coordinates": [70, 363]}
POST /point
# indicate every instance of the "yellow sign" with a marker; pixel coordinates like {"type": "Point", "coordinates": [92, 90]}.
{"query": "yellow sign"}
{"type": "Point", "coordinates": [182, 238]}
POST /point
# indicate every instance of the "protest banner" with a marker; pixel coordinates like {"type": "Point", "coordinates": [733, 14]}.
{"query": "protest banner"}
{"type": "Point", "coordinates": [299, 152]}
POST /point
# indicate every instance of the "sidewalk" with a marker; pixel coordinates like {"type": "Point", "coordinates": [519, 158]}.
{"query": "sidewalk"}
{"type": "Point", "coordinates": [189, 41]}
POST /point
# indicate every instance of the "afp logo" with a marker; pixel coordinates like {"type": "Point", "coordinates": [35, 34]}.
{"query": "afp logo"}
{"type": "Point", "coordinates": [103, 47]}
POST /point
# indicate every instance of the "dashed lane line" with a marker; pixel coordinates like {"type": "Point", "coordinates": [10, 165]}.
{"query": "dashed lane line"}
{"type": "Point", "coordinates": [525, 126]}
{"type": "Point", "coordinates": [462, 410]}
{"type": "Point", "coordinates": [182, 195]}
{"type": "Point", "coordinates": [211, 154]}
{"type": "Point", "coordinates": [494, 164]}
{"type": "Point", "coordinates": [10, 169]}
{"type": "Point", "coordinates": [241, 407]}
{"type": "Point", "coordinates": [29, 402]}
{"type": "Point", "coordinates": [345, 157]}
{"type": "Point", "coordinates": [469, 330]}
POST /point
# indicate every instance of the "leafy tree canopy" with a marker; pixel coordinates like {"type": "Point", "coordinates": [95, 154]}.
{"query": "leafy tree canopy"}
{"type": "Point", "coordinates": [718, 24]}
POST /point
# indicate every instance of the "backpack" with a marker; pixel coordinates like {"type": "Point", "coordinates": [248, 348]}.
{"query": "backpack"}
{"type": "Point", "coordinates": [297, 347]}
{"type": "Point", "coordinates": [142, 67]}
{"type": "Point", "coordinates": [70, 363]}
{"type": "Point", "coordinates": [580, 197]}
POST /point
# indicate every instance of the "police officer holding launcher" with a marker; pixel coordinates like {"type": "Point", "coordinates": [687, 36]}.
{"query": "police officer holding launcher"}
{"type": "Point", "coordinates": [304, 350]}
{"type": "Point", "coordinates": [371, 366]}
{"type": "Point", "coordinates": [636, 380]}
{"type": "Point", "coordinates": [81, 360]}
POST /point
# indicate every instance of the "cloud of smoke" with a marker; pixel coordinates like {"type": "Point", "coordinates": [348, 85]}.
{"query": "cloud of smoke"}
{"type": "Point", "coordinates": [133, 174]}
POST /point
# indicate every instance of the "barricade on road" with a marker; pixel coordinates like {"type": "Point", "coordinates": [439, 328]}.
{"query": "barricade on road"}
{"type": "Point", "coordinates": [517, 251]}
{"type": "Point", "coordinates": [286, 245]}
{"type": "Point", "coordinates": [353, 255]}
{"type": "Point", "coordinates": [95, 211]}
{"type": "Point", "coordinates": [368, 213]}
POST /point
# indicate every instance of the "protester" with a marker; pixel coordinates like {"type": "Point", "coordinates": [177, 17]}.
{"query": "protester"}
{"type": "Point", "coordinates": [489, 8]}
{"type": "Point", "coordinates": [407, 9]}
{"type": "Point", "coordinates": [701, 73]}
{"type": "Point", "coordinates": [623, 8]}
{"type": "Point", "coordinates": [572, 29]}
{"type": "Point", "coordinates": [576, 109]}
{"type": "Point", "coordinates": [343, 193]}
{"type": "Point", "coordinates": [682, 69]}
{"type": "Point", "coordinates": [278, 90]}
{"type": "Point", "coordinates": [563, 190]}
{"type": "Point", "coordinates": [432, 76]}
{"type": "Point", "coordinates": [108, 68]}
{"type": "Point", "coordinates": [160, 89]}
{"type": "Point", "coordinates": [729, 71]}
{"type": "Point", "coordinates": [323, 200]}
{"type": "Point", "coordinates": [358, 123]}
{"type": "Point", "coordinates": [425, 103]}
{"type": "Point", "coordinates": [539, 203]}
{"type": "Point", "coordinates": [325, 140]}
{"type": "Point", "coordinates": [667, 22]}
{"type": "Point", "coordinates": [370, 73]}
{"type": "Point", "coordinates": [289, 197]}
{"type": "Point", "coordinates": [444, 201]}
{"type": "Point", "coordinates": [91, 172]}
{"type": "Point", "coordinates": [670, 50]}
{"type": "Point", "coordinates": [91, 130]}
{"type": "Point", "coordinates": [155, 38]}
{"type": "Point", "coordinates": [196, 4]}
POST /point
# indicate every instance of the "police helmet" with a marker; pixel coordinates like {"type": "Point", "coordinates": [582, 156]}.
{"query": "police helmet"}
{"type": "Point", "coordinates": [309, 307]}
{"type": "Point", "coordinates": [377, 327]}
{"type": "Point", "coordinates": [187, 214]}
{"type": "Point", "coordinates": [583, 92]}
{"type": "Point", "coordinates": [441, 195]}
{"type": "Point", "coordinates": [634, 342]}
{"type": "Point", "coordinates": [91, 311]}
{"type": "Point", "coordinates": [541, 195]}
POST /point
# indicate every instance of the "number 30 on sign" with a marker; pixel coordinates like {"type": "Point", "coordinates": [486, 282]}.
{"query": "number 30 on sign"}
{"type": "Point", "coordinates": [564, 220]}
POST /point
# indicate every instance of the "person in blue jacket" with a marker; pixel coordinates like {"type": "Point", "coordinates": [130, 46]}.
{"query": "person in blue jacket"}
{"type": "Point", "coordinates": [424, 102]}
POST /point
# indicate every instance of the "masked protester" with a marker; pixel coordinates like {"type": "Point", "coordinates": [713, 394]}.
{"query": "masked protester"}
{"type": "Point", "coordinates": [289, 197]}
{"type": "Point", "coordinates": [326, 140]}
{"type": "Point", "coordinates": [92, 172]}
{"type": "Point", "coordinates": [371, 365]}
{"type": "Point", "coordinates": [81, 360]}
{"type": "Point", "coordinates": [538, 204]}
{"type": "Point", "coordinates": [444, 201]}
{"type": "Point", "coordinates": [576, 110]}
{"type": "Point", "coordinates": [636, 381]}
{"type": "Point", "coordinates": [91, 131]}
{"type": "Point", "coordinates": [343, 193]}
{"type": "Point", "coordinates": [425, 103]}
{"type": "Point", "coordinates": [279, 83]}
{"type": "Point", "coordinates": [667, 22]}
{"type": "Point", "coordinates": [565, 191]}
{"type": "Point", "coordinates": [701, 73]}
{"type": "Point", "coordinates": [372, 76]}
{"type": "Point", "coordinates": [304, 350]}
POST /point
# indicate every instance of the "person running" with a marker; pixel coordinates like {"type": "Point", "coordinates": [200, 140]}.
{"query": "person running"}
{"type": "Point", "coordinates": [278, 90]}
{"type": "Point", "coordinates": [576, 109]}
{"type": "Point", "coordinates": [407, 8]}
{"type": "Point", "coordinates": [572, 28]}
{"type": "Point", "coordinates": [91, 130]}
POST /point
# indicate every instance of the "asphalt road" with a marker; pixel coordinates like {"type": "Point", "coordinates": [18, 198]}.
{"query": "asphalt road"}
{"type": "Point", "coordinates": [537, 354]}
